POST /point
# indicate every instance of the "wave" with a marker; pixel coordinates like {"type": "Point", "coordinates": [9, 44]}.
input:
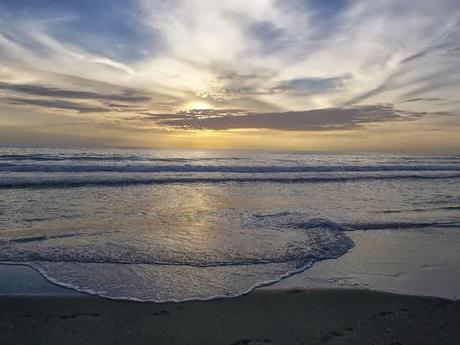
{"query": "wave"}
{"type": "Point", "coordinates": [399, 225]}
{"type": "Point", "coordinates": [129, 181]}
{"type": "Point", "coordinates": [108, 158]}
{"type": "Point", "coordinates": [42, 238]}
{"type": "Point", "coordinates": [146, 168]}
{"type": "Point", "coordinates": [327, 237]}
{"type": "Point", "coordinates": [129, 257]}
{"type": "Point", "coordinates": [146, 278]}
{"type": "Point", "coordinates": [96, 266]}
{"type": "Point", "coordinates": [440, 208]}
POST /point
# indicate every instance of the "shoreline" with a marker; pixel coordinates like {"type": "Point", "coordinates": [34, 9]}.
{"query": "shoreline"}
{"type": "Point", "coordinates": [302, 309]}
{"type": "Point", "coordinates": [316, 316]}
{"type": "Point", "coordinates": [366, 266]}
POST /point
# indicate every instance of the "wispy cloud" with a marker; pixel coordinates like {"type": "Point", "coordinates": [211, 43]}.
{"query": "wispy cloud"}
{"type": "Point", "coordinates": [41, 90]}
{"type": "Point", "coordinates": [297, 55]}
{"type": "Point", "coordinates": [57, 104]}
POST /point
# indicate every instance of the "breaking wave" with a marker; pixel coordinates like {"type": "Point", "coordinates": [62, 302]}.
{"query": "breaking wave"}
{"type": "Point", "coordinates": [157, 269]}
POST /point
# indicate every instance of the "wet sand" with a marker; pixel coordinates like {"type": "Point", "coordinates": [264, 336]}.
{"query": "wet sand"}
{"type": "Point", "coordinates": [408, 262]}
{"type": "Point", "coordinates": [262, 317]}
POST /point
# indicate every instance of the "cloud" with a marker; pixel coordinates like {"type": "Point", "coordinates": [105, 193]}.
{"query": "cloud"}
{"type": "Point", "coordinates": [427, 99]}
{"type": "Point", "coordinates": [292, 55]}
{"type": "Point", "coordinates": [310, 120]}
{"type": "Point", "coordinates": [58, 104]}
{"type": "Point", "coordinates": [46, 91]}
{"type": "Point", "coordinates": [417, 76]}
{"type": "Point", "coordinates": [275, 59]}
{"type": "Point", "coordinates": [125, 100]}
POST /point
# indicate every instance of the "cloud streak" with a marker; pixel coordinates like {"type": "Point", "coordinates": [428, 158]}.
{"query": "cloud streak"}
{"type": "Point", "coordinates": [310, 120]}
{"type": "Point", "coordinates": [58, 104]}
{"type": "Point", "coordinates": [45, 91]}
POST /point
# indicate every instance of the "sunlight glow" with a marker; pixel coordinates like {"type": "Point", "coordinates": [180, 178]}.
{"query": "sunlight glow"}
{"type": "Point", "coordinates": [198, 105]}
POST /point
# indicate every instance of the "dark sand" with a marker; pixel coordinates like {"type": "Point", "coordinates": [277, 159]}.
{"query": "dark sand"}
{"type": "Point", "coordinates": [263, 317]}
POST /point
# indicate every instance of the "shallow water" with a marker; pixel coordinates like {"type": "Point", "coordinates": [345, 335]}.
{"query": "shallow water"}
{"type": "Point", "coordinates": [179, 225]}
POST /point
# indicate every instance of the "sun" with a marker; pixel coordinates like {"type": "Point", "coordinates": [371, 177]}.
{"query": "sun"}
{"type": "Point", "coordinates": [198, 105]}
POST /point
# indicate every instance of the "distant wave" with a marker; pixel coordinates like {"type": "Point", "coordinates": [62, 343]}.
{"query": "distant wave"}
{"type": "Point", "coordinates": [63, 158]}
{"type": "Point", "coordinates": [127, 181]}
{"type": "Point", "coordinates": [106, 156]}
{"type": "Point", "coordinates": [146, 168]}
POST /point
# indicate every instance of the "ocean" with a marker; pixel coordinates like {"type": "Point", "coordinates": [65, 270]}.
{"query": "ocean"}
{"type": "Point", "coordinates": [176, 225]}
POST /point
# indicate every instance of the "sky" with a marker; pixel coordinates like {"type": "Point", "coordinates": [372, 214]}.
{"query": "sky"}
{"type": "Point", "coordinates": [306, 75]}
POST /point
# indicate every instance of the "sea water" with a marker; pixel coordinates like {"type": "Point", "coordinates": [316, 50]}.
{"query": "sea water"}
{"type": "Point", "coordinates": [175, 225]}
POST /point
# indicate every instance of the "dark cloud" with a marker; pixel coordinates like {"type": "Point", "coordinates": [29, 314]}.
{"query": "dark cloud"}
{"type": "Point", "coordinates": [46, 91]}
{"type": "Point", "coordinates": [58, 104]}
{"type": "Point", "coordinates": [121, 106]}
{"type": "Point", "coordinates": [309, 120]}
{"type": "Point", "coordinates": [424, 99]}
{"type": "Point", "coordinates": [118, 100]}
{"type": "Point", "coordinates": [197, 114]}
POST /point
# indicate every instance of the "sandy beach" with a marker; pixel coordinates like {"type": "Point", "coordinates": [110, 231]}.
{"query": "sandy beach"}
{"type": "Point", "coordinates": [303, 309]}
{"type": "Point", "coordinates": [262, 317]}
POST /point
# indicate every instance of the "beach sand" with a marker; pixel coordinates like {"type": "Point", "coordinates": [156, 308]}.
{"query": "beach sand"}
{"type": "Point", "coordinates": [408, 262]}
{"type": "Point", "coordinates": [322, 316]}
